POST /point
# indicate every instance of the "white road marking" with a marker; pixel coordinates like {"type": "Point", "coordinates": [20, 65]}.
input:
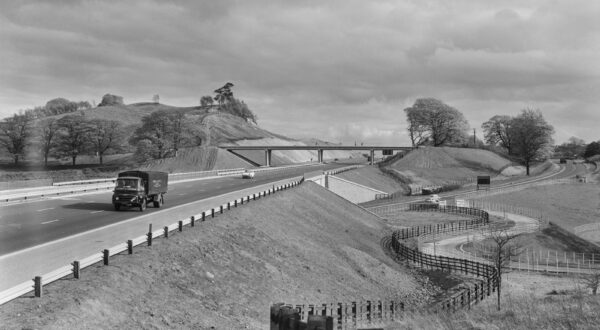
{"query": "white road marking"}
{"type": "Point", "coordinates": [43, 223]}
{"type": "Point", "coordinates": [97, 211]}
{"type": "Point", "coordinates": [42, 210]}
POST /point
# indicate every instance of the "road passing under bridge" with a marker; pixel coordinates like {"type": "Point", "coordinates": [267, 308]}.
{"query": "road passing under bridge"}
{"type": "Point", "coordinates": [319, 148]}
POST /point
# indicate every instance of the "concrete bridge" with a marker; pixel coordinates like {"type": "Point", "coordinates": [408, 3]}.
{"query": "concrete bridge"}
{"type": "Point", "coordinates": [318, 148]}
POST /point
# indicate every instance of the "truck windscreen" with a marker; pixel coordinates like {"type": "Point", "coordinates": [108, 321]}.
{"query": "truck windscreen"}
{"type": "Point", "coordinates": [127, 184]}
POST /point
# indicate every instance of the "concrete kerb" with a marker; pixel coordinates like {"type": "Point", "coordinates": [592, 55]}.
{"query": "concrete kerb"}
{"type": "Point", "coordinates": [76, 267]}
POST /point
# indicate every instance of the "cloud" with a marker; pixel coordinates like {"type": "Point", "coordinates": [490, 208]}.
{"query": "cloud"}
{"type": "Point", "coordinates": [317, 63]}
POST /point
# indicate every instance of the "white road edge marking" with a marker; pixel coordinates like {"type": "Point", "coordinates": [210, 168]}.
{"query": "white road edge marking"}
{"type": "Point", "coordinates": [51, 221]}
{"type": "Point", "coordinates": [42, 210]}
{"type": "Point", "coordinates": [97, 211]}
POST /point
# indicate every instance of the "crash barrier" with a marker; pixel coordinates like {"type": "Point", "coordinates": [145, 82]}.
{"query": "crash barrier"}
{"type": "Point", "coordinates": [342, 169]}
{"type": "Point", "coordinates": [334, 315]}
{"type": "Point", "coordinates": [36, 284]}
{"type": "Point", "coordinates": [470, 293]}
{"type": "Point", "coordinates": [7, 185]}
{"type": "Point", "coordinates": [105, 184]}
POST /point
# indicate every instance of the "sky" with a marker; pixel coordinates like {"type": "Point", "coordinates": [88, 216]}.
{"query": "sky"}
{"type": "Point", "coordinates": [338, 70]}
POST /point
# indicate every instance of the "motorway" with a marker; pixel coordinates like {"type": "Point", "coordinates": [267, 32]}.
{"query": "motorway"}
{"type": "Point", "coordinates": [27, 224]}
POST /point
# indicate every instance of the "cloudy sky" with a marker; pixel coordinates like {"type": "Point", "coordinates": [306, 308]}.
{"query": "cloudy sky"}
{"type": "Point", "coordinates": [340, 70]}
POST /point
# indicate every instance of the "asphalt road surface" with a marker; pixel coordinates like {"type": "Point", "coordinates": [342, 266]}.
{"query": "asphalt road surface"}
{"type": "Point", "coordinates": [27, 224]}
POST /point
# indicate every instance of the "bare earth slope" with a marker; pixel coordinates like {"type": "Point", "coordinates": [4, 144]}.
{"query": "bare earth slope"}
{"type": "Point", "coordinates": [197, 159]}
{"type": "Point", "coordinates": [304, 245]}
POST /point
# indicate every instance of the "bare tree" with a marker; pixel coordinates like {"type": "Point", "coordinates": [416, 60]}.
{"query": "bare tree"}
{"type": "Point", "coordinates": [14, 134]}
{"type": "Point", "coordinates": [104, 136]}
{"type": "Point", "coordinates": [497, 131]}
{"type": "Point", "coordinates": [155, 98]}
{"type": "Point", "coordinates": [72, 139]}
{"type": "Point", "coordinates": [417, 129]}
{"type": "Point", "coordinates": [532, 137]}
{"type": "Point", "coordinates": [592, 281]}
{"type": "Point", "coordinates": [47, 131]}
{"type": "Point", "coordinates": [503, 245]}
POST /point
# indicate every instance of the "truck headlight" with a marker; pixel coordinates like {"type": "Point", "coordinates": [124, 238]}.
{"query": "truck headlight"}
{"type": "Point", "coordinates": [134, 198]}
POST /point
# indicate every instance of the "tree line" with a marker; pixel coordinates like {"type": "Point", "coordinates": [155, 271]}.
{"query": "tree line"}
{"type": "Point", "coordinates": [526, 137]}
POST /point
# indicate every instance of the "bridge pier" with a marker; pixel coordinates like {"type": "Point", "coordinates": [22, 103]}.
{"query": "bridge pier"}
{"type": "Point", "coordinates": [372, 157]}
{"type": "Point", "coordinates": [320, 155]}
{"type": "Point", "coordinates": [268, 157]}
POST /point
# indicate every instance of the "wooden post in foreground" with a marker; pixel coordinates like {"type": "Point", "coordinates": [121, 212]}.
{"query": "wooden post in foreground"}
{"type": "Point", "coordinates": [38, 286]}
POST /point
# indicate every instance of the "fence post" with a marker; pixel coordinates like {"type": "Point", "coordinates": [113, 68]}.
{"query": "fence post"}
{"type": "Point", "coordinates": [221, 209]}
{"type": "Point", "coordinates": [129, 247]}
{"type": "Point", "coordinates": [76, 269]}
{"type": "Point", "coordinates": [192, 221]}
{"type": "Point", "coordinates": [149, 235]}
{"type": "Point", "coordinates": [180, 223]}
{"type": "Point", "coordinates": [212, 212]}
{"type": "Point", "coordinates": [38, 286]}
{"type": "Point", "coordinates": [228, 206]}
{"type": "Point", "coordinates": [235, 203]}
{"type": "Point", "coordinates": [203, 215]}
{"type": "Point", "coordinates": [166, 231]}
{"type": "Point", "coordinates": [105, 257]}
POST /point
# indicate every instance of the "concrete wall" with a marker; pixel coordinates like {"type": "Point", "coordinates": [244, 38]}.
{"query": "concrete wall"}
{"type": "Point", "coordinates": [351, 191]}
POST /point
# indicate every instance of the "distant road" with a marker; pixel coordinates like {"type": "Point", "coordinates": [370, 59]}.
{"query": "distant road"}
{"type": "Point", "coordinates": [28, 224]}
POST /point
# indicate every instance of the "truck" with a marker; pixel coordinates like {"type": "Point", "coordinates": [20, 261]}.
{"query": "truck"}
{"type": "Point", "coordinates": [138, 188]}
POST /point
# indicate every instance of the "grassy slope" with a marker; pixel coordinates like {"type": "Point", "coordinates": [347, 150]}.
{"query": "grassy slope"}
{"type": "Point", "coordinates": [197, 159]}
{"type": "Point", "coordinates": [371, 176]}
{"type": "Point", "coordinates": [444, 164]}
{"type": "Point", "coordinates": [307, 246]}
{"type": "Point", "coordinates": [568, 205]}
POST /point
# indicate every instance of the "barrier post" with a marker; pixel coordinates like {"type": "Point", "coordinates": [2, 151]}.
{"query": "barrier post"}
{"type": "Point", "coordinates": [105, 257]}
{"type": "Point", "coordinates": [129, 247]}
{"type": "Point", "coordinates": [203, 215]}
{"type": "Point", "coordinates": [166, 231]}
{"type": "Point", "coordinates": [180, 225]}
{"type": "Point", "coordinates": [228, 206]}
{"type": "Point", "coordinates": [76, 269]}
{"type": "Point", "coordinates": [38, 286]}
{"type": "Point", "coordinates": [221, 209]}
{"type": "Point", "coordinates": [212, 212]}
{"type": "Point", "coordinates": [149, 235]}
{"type": "Point", "coordinates": [192, 221]}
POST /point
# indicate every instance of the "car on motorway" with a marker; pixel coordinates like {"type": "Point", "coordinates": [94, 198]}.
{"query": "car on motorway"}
{"type": "Point", "coordinates": [433, 199]}
{"type": "Point", "coordinates": [248, 174]}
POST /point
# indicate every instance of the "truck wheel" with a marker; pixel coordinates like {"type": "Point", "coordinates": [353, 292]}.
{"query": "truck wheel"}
{"type": "Point", "coordinates": [143, 205]}
{"type": "Point", "coordinates": [159, 201]}
{"type": "Point", "coordinates": [117, 207]}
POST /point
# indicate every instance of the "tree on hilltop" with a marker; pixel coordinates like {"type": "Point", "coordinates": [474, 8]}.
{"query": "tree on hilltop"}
{"type": "Point", "coordinates": [224, 94]}
{"type": "Point", "coordinates": [109, 99]}
{"type": "Point", "coordinates": [431, 121]}
{"type": "Point", "coordinates": [532, 137]}
{"type": "Point", "coordinates": [497, 131]}
{"type": "Point", "coordinates": [15, 132]}
{"type": "Point", "coordinates": [206, 101]}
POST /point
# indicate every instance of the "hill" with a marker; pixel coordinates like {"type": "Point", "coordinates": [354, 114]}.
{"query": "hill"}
{"type": "Point", "coordinates": [441, 165]}
{"type": "Point", "coordinates": [226, 272]}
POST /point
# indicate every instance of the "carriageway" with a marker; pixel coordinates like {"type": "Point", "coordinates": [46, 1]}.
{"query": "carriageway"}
{"type": "Point", "coordinates": [319, 148]}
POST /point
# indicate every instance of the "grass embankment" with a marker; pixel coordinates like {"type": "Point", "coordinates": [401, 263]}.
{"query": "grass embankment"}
{"type": "Point", "coordinates": [371, 176]}
{"type": "Point", "coordinates": [304, 245]}
{"type": "Point", "coordinates": [528, 302]}
{"type": "Point", "coordinates": [567, 205]}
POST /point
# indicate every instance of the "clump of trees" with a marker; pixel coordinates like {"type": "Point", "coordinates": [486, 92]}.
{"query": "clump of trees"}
{"type": "Point", "coordinates": [592, 149]}
{"type": "Point", "coordinates": [110, 99]}
{"type": "Point", "coordinates": [227, 103]}
{"type": "Point", "coordinates": [527, 137]}
{"type": "Point", "coordinates": [162, 134]}
{"type": "Point", "coordinates": [69, 136]}
{"type": "Point", "coordinates": [573, 148]}
{"type": "Point", "coordinates": [432, 122]}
